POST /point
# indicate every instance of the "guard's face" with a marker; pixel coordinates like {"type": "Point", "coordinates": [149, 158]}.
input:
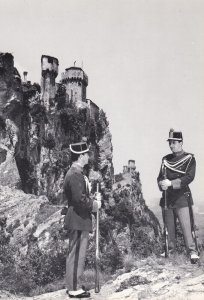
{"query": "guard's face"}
{"type": "Point", "coordinates": [86, 158]}
{"type": "Point", "coordinates": [175, 146]}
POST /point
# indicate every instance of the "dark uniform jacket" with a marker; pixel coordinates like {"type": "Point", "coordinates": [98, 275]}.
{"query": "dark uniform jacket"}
{"type": "Point", "coordinates": [180, 171]}
{"type": "Point", "coordinates": [80, 205]}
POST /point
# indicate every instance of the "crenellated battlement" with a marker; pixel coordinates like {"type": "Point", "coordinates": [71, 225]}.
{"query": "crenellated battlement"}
{"type": "Point", "coordinates": [76, 82]}
{"type": "Point", "coordinates": [130, 167]}
{"type": "Point", "coordinates": [131, 164]}
{"type": "Point", "coordinates": [74, 74]}
{"type": "Point", "coordinates": [49, 64]}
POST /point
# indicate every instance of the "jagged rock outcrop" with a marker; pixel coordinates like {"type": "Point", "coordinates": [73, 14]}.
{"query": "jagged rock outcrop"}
{"type": "Point", "coordinates": [8, 170]}
{"type": "Point", "coordinates": [32, 243]}
{"type": "Point", "coordinates": [10, 87]}
{"type": "Point", "coordinates": [10, 108]}
{"type": "Point", "coordinates": [131, 224]}
{"type": "Point", "coordinates": [44, 124]}
{"type": "Point", "coordinates": [22, 213]}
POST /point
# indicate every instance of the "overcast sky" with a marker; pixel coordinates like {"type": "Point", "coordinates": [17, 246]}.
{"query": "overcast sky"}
{"type": "Point", "coordinates": [145, 63]}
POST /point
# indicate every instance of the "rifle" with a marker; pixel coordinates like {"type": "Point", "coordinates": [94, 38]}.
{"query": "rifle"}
{"type": "Point", "coordinates": [97, 284]}
{"type": "Point", "coordinates": [164, 218]}
{"type": "Point", "coordinates": [193, 227]}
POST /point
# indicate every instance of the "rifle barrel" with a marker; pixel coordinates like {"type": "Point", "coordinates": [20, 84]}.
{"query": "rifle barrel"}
{"type": "Point", "coordinates": [97, 284]}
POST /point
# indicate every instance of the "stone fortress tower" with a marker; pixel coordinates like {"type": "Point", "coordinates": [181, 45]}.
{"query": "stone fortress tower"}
{"type": "Point", "coordinates": [130, 167]}
{"type": "Point", "coordinates": [49, 69]}
{"type": "Point", "coordinates": [74, 79]}
{"type": "Point", "coordinates": [25, 74]}
{"type": "Point", "coordinates": [76, 82]}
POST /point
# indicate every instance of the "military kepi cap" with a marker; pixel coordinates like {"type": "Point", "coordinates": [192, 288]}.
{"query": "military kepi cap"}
{"type": "Point", "coordinates": [79, 148]}
{"type": "Point", "coordinates": [175, 135]}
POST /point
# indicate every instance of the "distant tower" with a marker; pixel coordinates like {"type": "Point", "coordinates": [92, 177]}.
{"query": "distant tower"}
{"type": "Point", "coordinates": [49, 68]}
{"type": "Point", "coordinates": [76, 82]}
{"type": "Point", "coordinates": [131, 165]}
{"type": "Point", "coordinates": [25, 74]}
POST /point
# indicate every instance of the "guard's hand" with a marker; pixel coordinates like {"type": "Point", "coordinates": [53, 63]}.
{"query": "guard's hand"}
{"type": "Point", "coordinates": [97, 202]}
{"type": "Point", "coordinates": [96, 205]}
{"type": "Point", "coordinates": [165, 184]}
{"type": "Point", "coordinates": [98, 197]}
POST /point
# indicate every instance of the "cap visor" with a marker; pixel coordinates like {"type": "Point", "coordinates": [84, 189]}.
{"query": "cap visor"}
{"type": "Point", "coordinates": [174, 139]}
{"type": "Point", "coordinates": [79, 152]}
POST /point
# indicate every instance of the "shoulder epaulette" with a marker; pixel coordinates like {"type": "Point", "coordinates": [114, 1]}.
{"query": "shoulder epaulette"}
{"type": "Point", "coordinates": [189, 154]}
{"type": "Point", "coordinates": [176, 166]}
{"type": "Point", "coordinates": [168, 156]}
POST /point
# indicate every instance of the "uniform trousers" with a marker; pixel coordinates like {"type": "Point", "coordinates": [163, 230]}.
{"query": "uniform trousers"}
{"type": "Point", "coordinates": [184, 219]}
{"type": "Point", "coordinates": [78, 241]}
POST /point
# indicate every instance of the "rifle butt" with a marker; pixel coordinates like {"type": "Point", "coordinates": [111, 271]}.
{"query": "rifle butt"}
{"type": "Point", "coordinates": [166, 246]}
{"type": "Point", "coordinates": [166, 249]}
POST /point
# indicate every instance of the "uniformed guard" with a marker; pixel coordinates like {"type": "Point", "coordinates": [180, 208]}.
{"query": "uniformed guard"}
{"type": "Point", "coordinates": [180, 169]}
{"type": "Point", "coordinates": [78, 220]}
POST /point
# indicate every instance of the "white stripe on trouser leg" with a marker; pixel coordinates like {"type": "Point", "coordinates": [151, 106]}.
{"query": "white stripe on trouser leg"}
{"type": "Point", "coordinates": [76, 258]}
{"type": "Point", "coordinates": [170, 223]}
{"type": "Point", "coordinates": [184, 220]}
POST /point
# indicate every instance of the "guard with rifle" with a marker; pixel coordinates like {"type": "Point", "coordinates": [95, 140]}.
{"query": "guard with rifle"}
{"type": "Point", "coordinates": [176, 173]}
{"type": "Point", "coordinates": [78, 219]}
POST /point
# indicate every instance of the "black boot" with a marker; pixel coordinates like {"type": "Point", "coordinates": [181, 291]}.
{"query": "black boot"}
{"type": "Point", "coordinates": [194, 257]}
{"type": "Point", "coordinates": [78, 294]}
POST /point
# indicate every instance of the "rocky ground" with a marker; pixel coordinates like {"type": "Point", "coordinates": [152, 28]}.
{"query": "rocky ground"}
{"type": "Point", "coordinates": [155, 279]}
{"type": "Point", "coordinates": [151, 278]}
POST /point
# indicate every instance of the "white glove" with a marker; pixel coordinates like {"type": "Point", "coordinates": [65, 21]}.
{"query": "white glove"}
{"type": "Point", "coordinates": [97, 202]}
{"type": "Point", "coordinates": [98, 197]}
{"type": "Point", "coordinates": [164, 188]}
{"type": "Point", "coordinates": [165, 184]}
{"type": "Point", "coordinates": [96, 205]}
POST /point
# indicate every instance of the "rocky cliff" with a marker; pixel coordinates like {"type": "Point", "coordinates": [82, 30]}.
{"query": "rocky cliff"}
{"type": "Point", "coordinates": [38, 122]}
{"type": "Point", "coordinates": [37, 128]}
